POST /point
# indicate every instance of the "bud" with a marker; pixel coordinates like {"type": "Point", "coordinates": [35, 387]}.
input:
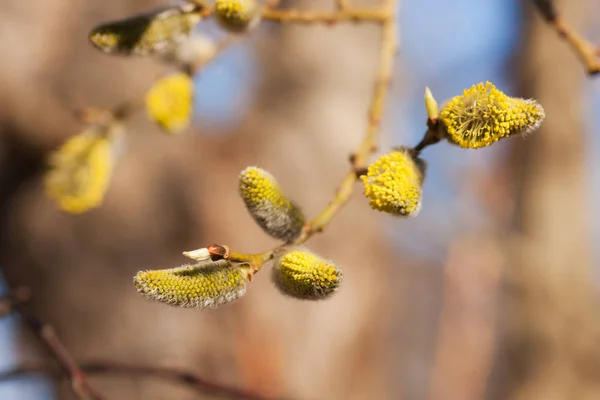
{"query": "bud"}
{"type": "Point", "coordinates": [80, 171]}
{"type": "Point", "coordinates": [269, 206]}
{"type": "Point", "coordinates": [431, 105]}
{"type": "Point", "coordinates": [170, 101]}
{"type": "Point", "coordinates": [393, 183]}
{"type": "Point", "coordinates": [202, 285]}
{"type": "Point", "coordinates": [483, 115]}
{"type": "Point", "coordinates": [237, 16]}
{"type": "Point", "coordinates": [303, 275]}
{"type": "Point", "coordinates": [198, 255]}
{"type": "Point", "coordinates": [147, 34]}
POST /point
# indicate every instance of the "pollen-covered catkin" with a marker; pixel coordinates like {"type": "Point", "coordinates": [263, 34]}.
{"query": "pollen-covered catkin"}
{"type": "Point", "coordinates": [237, 15]}
{"type": "Point", "coordinates": [269, 206]}
{"type": "Point", "coordinates": [301, 274]}
{"type": "Point", "coordinates": [169, 102]}
{"type": "Point", "coordinates": [482, 115]}
{"type": "Point", "coordinates": [393, 183]}
{"type": "Point", "coordinates": [147, 34]}
{"type": "Point", "coordinates": [80, 171]}
{"type": "Point", "coordinates": [202, 285]}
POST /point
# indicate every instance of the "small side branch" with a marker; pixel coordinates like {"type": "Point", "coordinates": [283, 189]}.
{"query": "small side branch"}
{"type": "Point", "coordinates": [183, 377]}
{"type": "Point", "coordinates": [376, 15]}
{"type": "Point", "coordinates": [359, 159]}
{"type": "Point", "coordinates": [80, 385]}
{"type": "Point", "coordinates": [585, 50]}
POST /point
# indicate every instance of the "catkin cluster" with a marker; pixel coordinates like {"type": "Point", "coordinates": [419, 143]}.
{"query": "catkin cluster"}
{"type": "Point", "coordinates": [479, 117]}
{"type": "Point", "coordinates": [79, 172]}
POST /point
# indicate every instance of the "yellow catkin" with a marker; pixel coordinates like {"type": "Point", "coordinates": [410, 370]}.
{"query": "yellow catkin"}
{"type": "Point", "coordinates": [237, 15]}
{"type": "Point", "coordinates": [202, 285]}
{"type": "Point", "coordinates": [147, 34]}
{"type": "Point", "coordinates": [304, 275]}
{"type": "Point", "coordinates": [269, 206]}
{"type": "Point", "coordinates": [170, 101]}
{"type": "Point", "coordinates": [80, 171]}
{"type": "Point", "coordinates": [482, 115]}
{"type": "Point", "coordinates": [393, 183]}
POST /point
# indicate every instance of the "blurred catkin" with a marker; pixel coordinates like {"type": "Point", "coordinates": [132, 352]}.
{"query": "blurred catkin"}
{"type": "Point", "coordinates": [482, 115]}
{"type": "Point", "coordinates": [269, 206]}
{"type": "Point", "coordinates": [169, 102]}
{"type": "Point", "coordinates": [304, 275]}
{"type": "Point", "coordinates": [393, 183]}
{"type": "Point", "coordinates": [147, 34]}
{"type": "Point", "coordinates": [237, 16]}
{"type": "Point", "coordinates": [80, 171]}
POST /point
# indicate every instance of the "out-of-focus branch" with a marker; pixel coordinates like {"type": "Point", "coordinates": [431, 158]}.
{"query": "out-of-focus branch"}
{"type": "Point", "coordinates": [80, 386]}
{"type": "Point", "coordinates": [587, 52]}
{"type": "Point", "coordinates": [174, 375]}
{"type": "Point", "coordinates": [377, 15]}
{"type": "Point", "coordinates": [69, 369]}
{"type": "Point", "coordinates": [9, 303]}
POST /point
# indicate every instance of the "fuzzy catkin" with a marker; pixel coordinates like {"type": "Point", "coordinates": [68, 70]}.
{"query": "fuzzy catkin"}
{"type": "Point", "coordinates": [202, 285]}
{"type": "Point", "coordinates": [393, 183]}
{"type": "Point", "coordinates": [269, 206]}
{"type": "Point", "coordinates": [304, 275]}
{"type": "Point", "coordinates": [482, 115]}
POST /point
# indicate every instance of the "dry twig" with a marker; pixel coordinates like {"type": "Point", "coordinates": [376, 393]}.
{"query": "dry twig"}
{"type": "Point", "coordinates": [178, 376]}
{"type": "Point", "coordinates": [587, 52]}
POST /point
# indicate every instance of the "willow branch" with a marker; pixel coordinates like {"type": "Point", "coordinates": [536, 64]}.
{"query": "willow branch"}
{"type": "Point", "coordinates": [178, 376]}
{"type": "Point", "coordinates": [585, 50]}
{"type": "Point", "coordinates": [9, 303]}
{"type": "Point", "coordinates": [368, 145]}
{"type": "Point", "coordinates": [377, 15]}
{"type": "Point", "coordinates": [80, 386]}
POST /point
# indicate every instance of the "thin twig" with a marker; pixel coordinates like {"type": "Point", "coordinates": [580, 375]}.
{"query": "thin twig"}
{"type": "Point", "coordinates": [377, 15]}
{"type": "Point", "coordinates": [80, 386]}
{"type": "Point", "coordinates": [585, 50]}
{"type": "Point", "coordinates": [360, 157]}
{"type": "Point", "coordinates": [183, 377]}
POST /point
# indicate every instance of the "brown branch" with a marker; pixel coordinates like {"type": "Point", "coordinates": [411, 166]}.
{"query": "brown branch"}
{"type": "Point", "coordinates": [69, 369]}
{"type": "Point", "coordinates": [360, 157]}
{"type": "Point", "coordinates": [80, 386]}
{"type": "Point", "coordinates": [377, 15]}
{"type": "Point", "coordinates": [47, 336]}
{"type": "Point", "coordinates": [179, 376]}
{"type": "Point", "coordinates": [584, 49]}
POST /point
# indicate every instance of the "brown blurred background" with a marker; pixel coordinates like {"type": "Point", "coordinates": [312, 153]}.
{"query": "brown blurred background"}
{"type": "Point", "coordinates": [503, 310]}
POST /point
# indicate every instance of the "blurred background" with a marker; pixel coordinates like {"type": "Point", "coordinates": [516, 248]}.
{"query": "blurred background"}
{"type": "Point", "coordinates": [490, 293]}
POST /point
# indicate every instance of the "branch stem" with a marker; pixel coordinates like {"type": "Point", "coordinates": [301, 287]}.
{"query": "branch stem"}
{"type": "Point", "coordinates": [360, 157]}
{"type": "Point", "coordinates": [376, 15]}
